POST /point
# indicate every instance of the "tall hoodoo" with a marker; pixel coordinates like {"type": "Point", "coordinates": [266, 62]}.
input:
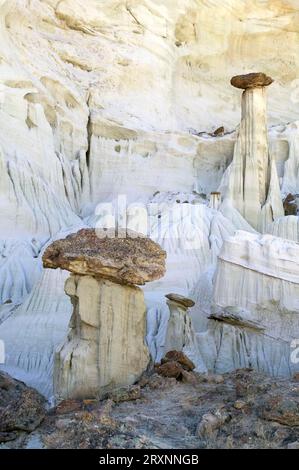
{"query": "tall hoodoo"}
{"type": "Point", "coordinates": [251, 182]}
{"type": "Point", "coordinates": [105, 347]}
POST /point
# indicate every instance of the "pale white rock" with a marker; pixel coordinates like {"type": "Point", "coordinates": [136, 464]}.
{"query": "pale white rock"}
{"type": "Point", "coordinates": [34, 331]}
{"type": "Point", "coordinates": [177, 331]}
{"type": "Point", "coordinates": [256, 292]}
{"type": "Point", "coordinates": [169, 328]}
{"type": "Point", "coordinates": [285, 227]}
{"type": "Point", "coordinates": [251, 183]}
{"type": "Point", "coordinates": [105, 347]}
{"type": "Point", "coordinates": [192, 241]}
{"type": "Point", "coordinates": [290, 182]}
{"type": "Point", "coordinates": [20, 269]}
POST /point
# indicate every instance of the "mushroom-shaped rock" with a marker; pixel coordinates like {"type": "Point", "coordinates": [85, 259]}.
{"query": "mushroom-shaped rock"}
{"type": "Point", "coordinates": [180, 299]}
{"type": "Point", "coordinates": [105, 348]}
{"type": "Point", "coordinates": [178, 334]}
{"type": "Point", "coordinates": [133, 259]}
{"type": "Point", "coordinates": [251, 80]}
{"type": "Point", "coordinates": [251, 183]}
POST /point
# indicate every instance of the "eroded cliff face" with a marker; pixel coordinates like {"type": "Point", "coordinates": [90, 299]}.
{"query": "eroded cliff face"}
{"type": "Point", "coordinates": [100, 99]}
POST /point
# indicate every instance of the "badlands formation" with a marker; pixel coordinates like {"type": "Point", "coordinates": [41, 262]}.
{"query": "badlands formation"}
{"type": "Point", "coordinates": [119, 115]}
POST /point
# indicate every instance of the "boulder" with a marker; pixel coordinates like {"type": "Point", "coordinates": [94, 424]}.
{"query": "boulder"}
{"type": "Point", "coordinates": [21, 408]}
{"type": "Point", "coordinates": [251, 80]}
{"type": "Point", "coordinates": [133, 259]}
{"type": "Point", "coordinates": [171, 369]}
{"type": "Point", "coordinates": [181, 300]}
{"type": "Point", "coordinates": [181, 358]}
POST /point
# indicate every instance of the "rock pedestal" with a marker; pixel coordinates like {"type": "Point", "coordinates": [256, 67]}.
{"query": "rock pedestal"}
{"type": "Point", "coordinates": [252, 183]}
{"type": "Point", "coordinates": [179, 324]}
{"type": "Point", "coordinates": [105, 347]}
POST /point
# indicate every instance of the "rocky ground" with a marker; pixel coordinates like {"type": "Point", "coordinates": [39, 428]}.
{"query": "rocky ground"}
{"type": "Point", "coordinates": [242, 409]}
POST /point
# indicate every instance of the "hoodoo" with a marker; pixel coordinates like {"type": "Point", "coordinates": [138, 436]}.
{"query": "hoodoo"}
{"type": "Point", "coordinates": [105, 347]}
{"type": "Point", "coordinates": [251, 182]}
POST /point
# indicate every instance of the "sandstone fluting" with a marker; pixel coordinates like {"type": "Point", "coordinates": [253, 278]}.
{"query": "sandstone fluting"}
{"type": "Point", "coordinates": [248, 283]}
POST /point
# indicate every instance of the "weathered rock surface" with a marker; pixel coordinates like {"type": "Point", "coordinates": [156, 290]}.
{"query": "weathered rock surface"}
{"type": "Point", "coordinates": [251, 80]}
{"type": "Point", "coordinates": [21, 408]}
{"type": "Point", "coordinates": [177, 365]}
{"type": "Point", "coordinates": [244, 410]}
{"type": "Point", "coordinates": [256, 294]}
{"type": "Point", "coordinates": [250, 184]}
{"type": "Point", "coordinates": [181, 300]}
{"type": "Point", "coordinates": [105, 348]}
{"type": "Point", "coordinates": [171, 369]}
{"type": "Point", "coordinates": [129, 260]}
{"type": "Point", "coordinates": [180, 357]}
{"type": "Point", "coordinates": [290, 205]}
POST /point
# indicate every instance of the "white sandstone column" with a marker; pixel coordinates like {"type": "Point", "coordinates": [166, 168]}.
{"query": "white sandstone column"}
{"type": "Point", "coordinates": [105, 347]}
{"type": "Point", "coordinates": [253, 186]}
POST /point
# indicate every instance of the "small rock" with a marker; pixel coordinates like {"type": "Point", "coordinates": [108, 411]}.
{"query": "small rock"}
{"type": "Point", "coordinates": [290, 205]}
{"type": "Point", "coordinates": [126, 394]}
{"type": "Point", "coordinates": [181, 358]}
{"type": "Point", "coordinates": [218, 379]}
{"type": "Point", "coordinates": [103, 414]}
{"type": "Point", "coordinates": [62, 423]}
{"type": "Point", "coordinates": [189, 377]}
{"type": "Point", "coordinates": [21, 407]}
{"type": "Point", "coordinates": [208, 425]}
{"type": "Point", "coordinates": [239, 405]}
{"type": "Point", "coordinates": [68, 406]}
{"type": "Point", "coordinates": [281, 409]}
{"type": "Point", "coordinates": [159, 382]}
{"type": "Point", "coordinates": [7, 436]}
{"type": "Point", "coordinates": [144, 381]}
{"type": "Point", "coordinates": [219, 131]}
{"type": "Point", "coordinates": [170, 369]}
{"type": "Point", "coordinates": [213, 378]}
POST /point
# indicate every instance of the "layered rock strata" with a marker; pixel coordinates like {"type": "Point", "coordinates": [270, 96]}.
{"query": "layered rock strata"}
{"type": "Point", "coordinates": [256, 292]}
